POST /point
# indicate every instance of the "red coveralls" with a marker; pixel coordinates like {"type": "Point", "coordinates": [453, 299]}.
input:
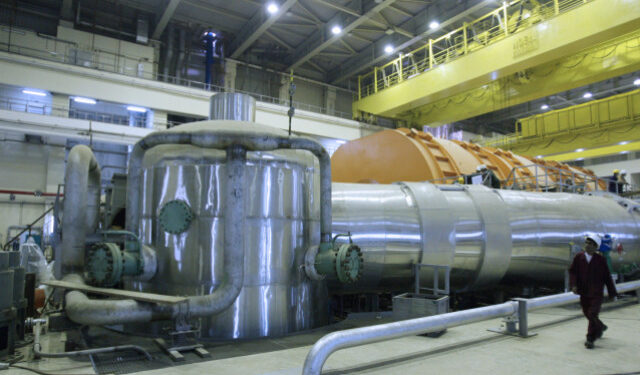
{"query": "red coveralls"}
{"type": "Point", "coordinates": [590, 278]}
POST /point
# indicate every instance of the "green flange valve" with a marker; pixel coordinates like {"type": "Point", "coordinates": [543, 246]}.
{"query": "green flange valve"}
{"type": "Point", "coordinates": [340, 262]}
{"type": "Point", "coordinates": [107, 262]}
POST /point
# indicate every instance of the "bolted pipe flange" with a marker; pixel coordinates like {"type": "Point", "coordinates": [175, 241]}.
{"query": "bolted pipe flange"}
{"type": "Point", "coordinates": [349, 263]}
{"type": "Point", "coordinates": [104, 264]}
{"type": "Point", "coordinates": [175, 216]}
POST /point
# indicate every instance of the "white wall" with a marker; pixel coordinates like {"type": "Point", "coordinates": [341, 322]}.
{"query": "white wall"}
{"type": "Point", "coordinates": [28, 167]}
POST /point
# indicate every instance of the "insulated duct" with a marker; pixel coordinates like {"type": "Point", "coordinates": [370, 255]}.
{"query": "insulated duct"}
{"type": "Point", "coordinates": [81, 207]}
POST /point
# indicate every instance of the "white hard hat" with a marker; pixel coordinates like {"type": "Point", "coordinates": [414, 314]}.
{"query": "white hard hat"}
{"type": "Point", "coordinates": [623, 172]}
{"type": "Point", "coordinates": [595, 238]}
{"type": "Point", "coordinates": [481, 167]}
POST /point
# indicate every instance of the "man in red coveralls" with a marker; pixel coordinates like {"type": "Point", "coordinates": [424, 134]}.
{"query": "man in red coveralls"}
{"type": "Point", "coordinates": [588, 275]}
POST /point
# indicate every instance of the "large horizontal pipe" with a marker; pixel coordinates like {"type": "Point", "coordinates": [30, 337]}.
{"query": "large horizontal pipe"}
{"type": "Point", "coordinates": [486, 236]}
{"type": "Point", "coordinates": [350, 338]}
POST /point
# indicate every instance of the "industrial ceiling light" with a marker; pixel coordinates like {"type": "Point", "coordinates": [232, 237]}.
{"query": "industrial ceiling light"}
{"type": "Point", "coordinates": [623, 143]}
{"type": "Point", "coordinates": [434, 25]}
{"type": "Point", "coordinates": [544, 107]}
{"type": "Point", "coordinates": [587, 95]}
{"type": "Point", "coordinates": [539, 157]}
{"type": "Point", "coordinates": [579, 149]}
{"type": "Point", "coordinates": [637, 82]}
{"type": "Point", "coordinates": [79, 99]}
{"type": "Point", "coordinates": [336, 30]}
{"type": "Point", "coordinates": [272, 8]}
{"type": "Point", "coordinates": [388, 49]}
{"type": "Point", "coordinates": [133, 108]}
{"type": "Point", "coordinates": [33, 92]}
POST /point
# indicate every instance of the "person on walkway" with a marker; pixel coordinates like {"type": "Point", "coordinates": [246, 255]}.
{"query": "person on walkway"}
{"type": "Point", "coordinates": [588, 275]}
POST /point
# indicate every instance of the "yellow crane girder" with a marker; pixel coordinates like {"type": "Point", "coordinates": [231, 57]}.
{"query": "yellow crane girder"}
{"type": "Point", "coordinates": [562, 34]}
{"type": "Point", "coordinates": [597, 128]}
{"type": "Point", "coordinates": [606, 60]}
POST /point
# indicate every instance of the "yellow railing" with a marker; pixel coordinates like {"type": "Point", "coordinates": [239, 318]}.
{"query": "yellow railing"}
{"type": "Point", "coordinates": [484, 31]}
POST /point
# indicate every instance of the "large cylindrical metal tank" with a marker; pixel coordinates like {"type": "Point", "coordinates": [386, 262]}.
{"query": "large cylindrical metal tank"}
{"type": "Point", "coordinates": [484, 235]}
{"type": "Point", "coordinates": [281, 222]}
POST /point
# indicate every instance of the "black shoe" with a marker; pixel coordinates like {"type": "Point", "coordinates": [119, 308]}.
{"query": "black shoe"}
{"type": "Point", "coordinates": [604, 328]}
{"type": "Point", "coordinates": [588, 344]}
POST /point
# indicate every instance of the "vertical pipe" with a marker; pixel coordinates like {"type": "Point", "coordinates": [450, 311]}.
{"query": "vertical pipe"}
{"type": "Point", "coordinates": [81, 206]}
{"type": "Point", "coordinates": [359, 87]}
{"type": "Point", "coordinates": [234, 214]}
{"type": "Point", "coordinates": [169, 53]}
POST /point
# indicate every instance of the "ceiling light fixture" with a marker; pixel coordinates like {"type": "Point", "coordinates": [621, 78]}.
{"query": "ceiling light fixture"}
{"type": "Point", "coordinates": [636, 82]}
{"type": "Point", "coordinates": [587, 95]}
{"type": "Point", "coordinates": [336, 30]}
{"type": "Point", "coordinates": [133, 108]}
{"type": "Point", "coordinates": [388, 49]}
{"type": "Point", "coordinates": [434, 25]}
{"type": "Point", "coordinates": [272, 8]}
{"type": "Point", "coordinates": [579, 149]}
{"type": "Point", "coordinates": [33, 92]}
{"type": "Point", "coordinates": [544, 107]}
{"type": "Point", "coordinates": [82, 100]}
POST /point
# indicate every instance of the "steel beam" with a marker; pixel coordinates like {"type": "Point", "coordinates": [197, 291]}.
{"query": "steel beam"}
{"type": "Point", "coordinates": [255, 27]}
{"type": "Point", "coordinates": [551, 40]}
{"type": "Point", "coordinates": [374, 54]}
{"type": "Point", "coordinates": [164, 20]}
{"type": "Point", "coordinates": [321, 39]}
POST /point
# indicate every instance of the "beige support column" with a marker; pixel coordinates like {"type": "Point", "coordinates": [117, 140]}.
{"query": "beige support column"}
{"type": "Point", "coordinates": [60, 105]}
{"type": "Point", "coordinates": [159, 120]}
{"type": "Point", "coordinates": [330, 100]}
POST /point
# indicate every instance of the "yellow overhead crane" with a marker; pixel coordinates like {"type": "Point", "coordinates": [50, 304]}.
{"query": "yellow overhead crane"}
{"type": "Point", "coordinates": [597, 128]}
{"type": "Point", "coordinates": [545, 47]}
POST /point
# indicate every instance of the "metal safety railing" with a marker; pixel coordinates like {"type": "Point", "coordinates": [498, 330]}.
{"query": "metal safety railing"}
{"type": "Point", "coordinates": [511, 18]}
{"type": "Point", "coordinates": [546, 178]}
{"type": "Point", "coordinates": [350, 338]}
{"type": "Point", "coordinates": [106, 61]}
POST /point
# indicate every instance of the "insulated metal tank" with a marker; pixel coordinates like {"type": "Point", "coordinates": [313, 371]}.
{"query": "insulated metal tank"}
{"type": "Point", "coordinates": [281, 222]}
{"type": "Point", "coordinates": [486, 236]}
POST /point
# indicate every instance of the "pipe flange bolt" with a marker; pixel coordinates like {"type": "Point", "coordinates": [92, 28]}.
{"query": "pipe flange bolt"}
{"type": "Point", "coordinates": [175, 216]}
{"type": "Point", "coordinates": [349, 263]}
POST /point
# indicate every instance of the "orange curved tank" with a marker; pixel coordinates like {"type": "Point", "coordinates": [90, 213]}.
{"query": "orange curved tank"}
{"type": "Point", "coordinates": [411, 155]}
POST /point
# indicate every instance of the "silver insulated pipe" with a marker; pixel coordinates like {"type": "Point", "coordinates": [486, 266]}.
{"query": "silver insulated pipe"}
{"type": "Point", "coordinates": [486, 236]}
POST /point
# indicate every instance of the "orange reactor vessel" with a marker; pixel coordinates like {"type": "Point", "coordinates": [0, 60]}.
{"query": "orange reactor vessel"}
{"type": "Point", "coordinates": [412, 155]}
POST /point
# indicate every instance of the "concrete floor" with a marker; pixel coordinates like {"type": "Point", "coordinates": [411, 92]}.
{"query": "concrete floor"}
{"type": "Point", "coordinates": [556, 349]}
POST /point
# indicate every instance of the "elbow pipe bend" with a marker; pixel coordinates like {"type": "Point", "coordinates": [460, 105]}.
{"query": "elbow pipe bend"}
{"type": "Point", "coordinates": [86, 311]}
